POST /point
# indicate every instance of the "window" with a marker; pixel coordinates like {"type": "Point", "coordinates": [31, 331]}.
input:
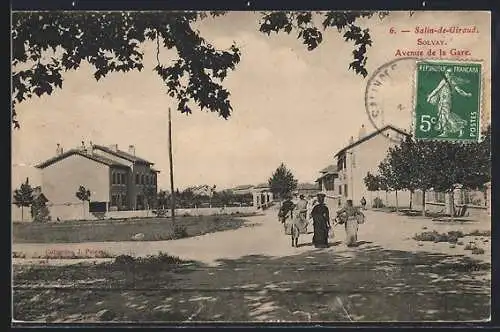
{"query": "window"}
{"type": "Point", "coordinates": [114, 179]}
{"type": "Point", "coordinates": [340, 189]}
{"type": "Point", "coordinates": [142, 179]}
{"type": "Point", "coordinates": [137, 179]}
{"type": "Point", "coordinates": [123, 178]}
{"type": "Point", "coordinates": [147, 179]}
{"type": "Point", "coordinates": [353, 161]}
{"type": "Point", "coordinates": [345, 190]}
{"type": "Point", "coordinates": [114, 200]}
{"type": "Point", "coordinates": [118, 178]}
{"type": "Point", "coordinates": [124, 200]}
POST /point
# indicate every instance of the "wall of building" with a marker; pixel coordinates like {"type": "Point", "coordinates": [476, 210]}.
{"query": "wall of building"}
{"type": "Point", "coordinates": [360, 160]}
{"type": "Point", "coordinates": [74, 212]}
{"type": "Point", "coordinates": [138, 189]}
{"type": "Point", "coordinates": [61, 180]}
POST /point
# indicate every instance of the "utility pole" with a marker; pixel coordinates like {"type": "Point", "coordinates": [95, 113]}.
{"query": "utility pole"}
{"type": "Point", "coordinates": [172, 200]}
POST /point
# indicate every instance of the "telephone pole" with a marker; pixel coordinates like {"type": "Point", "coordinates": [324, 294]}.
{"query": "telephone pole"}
{"type": "Point", "coordinates": [172, 200]}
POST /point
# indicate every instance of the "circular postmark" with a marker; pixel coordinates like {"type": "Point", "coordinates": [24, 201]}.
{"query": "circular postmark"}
{"type": "Point", "coordinates": [391, 98]}
{"type": "Point", "coordinates": [389, 95]}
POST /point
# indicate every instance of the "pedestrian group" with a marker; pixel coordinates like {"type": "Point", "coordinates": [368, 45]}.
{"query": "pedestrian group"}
{"type": "Point", "coordinates": [295, 217]}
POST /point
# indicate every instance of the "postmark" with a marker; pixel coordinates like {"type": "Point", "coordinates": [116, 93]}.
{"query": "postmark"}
{"type": "Point", "coordinates": [447, 101]}
{"type": "Point", "coordinates": [394, 95]}
{"type": "Point", "coordinates": [389, 95]}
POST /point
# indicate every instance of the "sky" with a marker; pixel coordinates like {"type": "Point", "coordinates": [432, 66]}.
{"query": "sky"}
{"type": "Point", "coordinates": [290, 105]}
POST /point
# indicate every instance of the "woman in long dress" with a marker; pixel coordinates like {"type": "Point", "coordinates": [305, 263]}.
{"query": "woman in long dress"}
{"type": "Point", "coordinates": [448, 122]}
{"type": "Point", "coordinates": [349, 216]}
{"type": "Point", "coordinates": [321, 222]}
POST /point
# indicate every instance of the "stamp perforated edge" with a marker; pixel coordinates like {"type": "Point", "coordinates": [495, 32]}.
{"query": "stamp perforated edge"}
{"type": "Point", "coordinates": [482, 124]}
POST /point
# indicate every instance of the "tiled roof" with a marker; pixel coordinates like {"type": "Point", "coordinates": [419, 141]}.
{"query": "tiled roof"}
{"type": "Point", "coordinates": [94, 157]}
{"type": "Point", "coordinates": [262, 185]}
{"type": "Point", "coordinates": [123, 154]}
{"type": "Point", "coordinates": [307, 186]}
{"type": "Point", "coordinates": [243, 187]}
{"type": "Point", "coordinates": [367, 137]}
{"type": "Point", "coordinates": [329, 169]}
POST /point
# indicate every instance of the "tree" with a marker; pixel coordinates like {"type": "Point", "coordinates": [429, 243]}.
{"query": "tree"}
{"type": "Point", "coordinates": [389, 178]}
{"type": "Point", "coordinates": [282, 182]}
{"type": "Point", "coordinates": [405, 160]}
{"type": "Point", "coordinates": [344, 21]}
{"type": "Point", "coordinates": [83, 194]}
{"type": "Point", "coordinates": [150, 195]}
{"type": "Point", "coordinates": [372, 183]}
{"type": "Point", "coordinates": [46, 44]}
{"type": "Point", "coordinates": [162, 198]}
{"type": "Point", "coordinates": [39, 210]}
{"type": "Point", "coordinates": [23, 196]}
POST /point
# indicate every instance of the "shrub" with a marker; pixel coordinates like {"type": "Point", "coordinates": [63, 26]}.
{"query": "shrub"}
{"type": "Point", "coordinates": [470, 246]}
{"type": "Point", "coordinates": [480, 233]}
{"type": "Point", "coordinates": [124, 260]}
{"type": "Point", "coordinates": [180, 232]}
{"type": "Point", "coordinates": [477, 251]}
{"type": "Point", "coordinates": [377, 203]}
{"type": "Point", "coordinates": [433, 236]}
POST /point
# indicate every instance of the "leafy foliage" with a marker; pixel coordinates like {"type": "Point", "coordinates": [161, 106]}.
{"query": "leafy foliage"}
{"type": "Point", "coordinates": [83, 194]}
{"type": "Point", "coordinates": [46, 44]}
{"type": "Point", "coordinates": [162, 198]}
{"type": "Point", "coordinates": [371, 182]}
{"type": "Point", "coordinates": [282, 182]}
{"type": "Point", "coordinates": [439, 165]}
{"type": "Point", "coordinates": [346, 23]}
{"type": "Point", "coordinates": [39, 210]}
{"type": "Point", "coordinates": [151, 196]}
{"type": "Point", "coordinates": [23, 196]}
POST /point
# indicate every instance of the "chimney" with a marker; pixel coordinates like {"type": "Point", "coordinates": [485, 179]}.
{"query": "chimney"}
{"type": "Point", "coordinates": [90, 148]}
{"type": "Point", "coordinates": [351, 140]}
{"type": "Point", "coordinates": [83, 146]}
{"type": "Point", "coordinates": [59, 149]}
{"type": "Point", "coordinates": [362, 132]}
{"type": "Point", "coordinates": [114, 147]}
{"type": "Point", "coordinates": [131, 150]}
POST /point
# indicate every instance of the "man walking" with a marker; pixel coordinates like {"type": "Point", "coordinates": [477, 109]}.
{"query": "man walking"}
{"type": "Point", "coordinates": [363, 203]}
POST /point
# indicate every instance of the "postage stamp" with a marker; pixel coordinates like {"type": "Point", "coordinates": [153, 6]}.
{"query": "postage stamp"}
{"type": "Point", "coordinates": [448, 101]}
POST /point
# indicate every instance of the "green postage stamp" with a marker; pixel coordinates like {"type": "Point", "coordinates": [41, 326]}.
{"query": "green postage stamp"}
{"type": "Point", "coordinates": [448, 101]}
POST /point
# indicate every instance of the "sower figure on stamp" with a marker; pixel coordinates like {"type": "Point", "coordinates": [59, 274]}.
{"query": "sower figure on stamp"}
{"type": "Point", "coordinates": [351, 217]}
{"type": "Point", "coordinates": [321, 222]}
{"type": "Point", "coordinates": [448, 122]}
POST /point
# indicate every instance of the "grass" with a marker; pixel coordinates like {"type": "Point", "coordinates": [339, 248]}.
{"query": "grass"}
{"type": "Point", "coordinates": [154, 229]}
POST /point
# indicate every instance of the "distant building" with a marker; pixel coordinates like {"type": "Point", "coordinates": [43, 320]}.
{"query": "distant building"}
{"type": "Point", "coordinates": [326, 181]}
{"type": "Point", "coordinates": [356, 159]}
{"type": "Point", "coordinates": [117, 179]}
{"type": "Point", "coordinates": [307, 189]}
{"type": "Point", "coordinates": [243, 189]}
{"type": "Point", "coordinates": [262, 195]}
